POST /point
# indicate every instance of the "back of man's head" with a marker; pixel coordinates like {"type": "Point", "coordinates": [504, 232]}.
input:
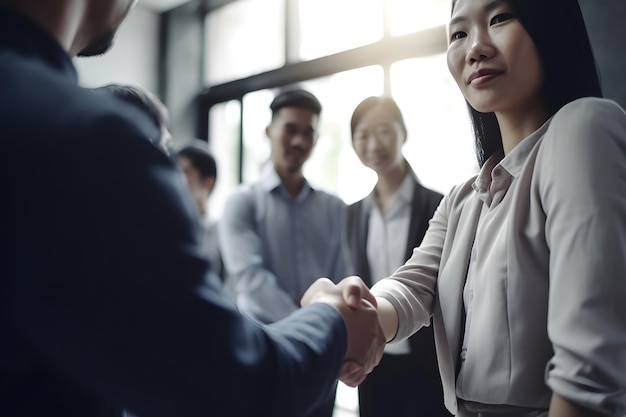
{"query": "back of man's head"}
{"type": "Point", "coordinates": [146, 101]}
{"type": "Point", "coordinates": [140, 98]}
{"type": "Point", "coordinates": [295, 98]}
{"type": "Point", "coordinates": [201, 159]}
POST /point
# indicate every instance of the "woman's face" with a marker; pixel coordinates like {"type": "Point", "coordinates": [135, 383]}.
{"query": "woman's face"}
{"type": "Point", "coordinates": [378, 140]}
{"type": "Point", "coordinates": [492, 58]}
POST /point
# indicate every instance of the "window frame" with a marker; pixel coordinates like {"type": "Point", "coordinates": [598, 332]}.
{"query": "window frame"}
{"type": "Point", "coordinates": [384, 53]}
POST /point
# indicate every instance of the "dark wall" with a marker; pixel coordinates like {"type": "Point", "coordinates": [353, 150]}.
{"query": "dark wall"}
{"type": "Point", "coordinates": [606, 24]}
{"type": "Point", "coordinates": [182, 43]}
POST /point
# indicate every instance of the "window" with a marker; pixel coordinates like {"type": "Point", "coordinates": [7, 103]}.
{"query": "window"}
{"type": "Point", "coordinates": [256, 146]}
{"type": "Point", "coordinates": [439, 145]}
{"type": "Point", "coordinates": [224, 145]}
{"type": "Point", "coordinates": [243, 38]}
{"type": "Point", "coordinates": [408, 16]}
{"type": "Point", "coordinates": [248, 40]}
{"type": "Point", "coordinates": [330, 26]}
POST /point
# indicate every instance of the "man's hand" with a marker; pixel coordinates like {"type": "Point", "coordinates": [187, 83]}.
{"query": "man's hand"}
{"type": "Point", "coordinates": [357, 306]}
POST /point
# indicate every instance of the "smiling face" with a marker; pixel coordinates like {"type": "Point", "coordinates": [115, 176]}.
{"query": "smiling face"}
{"type": "Point", "coordinates": [293, 134]}
{"type": "Point", "coordinates": [492, 57]}
{"type": "Point", "coordinates": [378, 138]}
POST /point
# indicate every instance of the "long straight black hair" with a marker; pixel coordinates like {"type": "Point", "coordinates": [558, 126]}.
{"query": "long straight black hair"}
{"type": "Point", "coordinates": [558, 31]}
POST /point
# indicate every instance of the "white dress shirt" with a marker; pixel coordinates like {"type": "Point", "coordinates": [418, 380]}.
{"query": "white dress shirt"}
{"type": "Point", "coordinates": [386, 241]}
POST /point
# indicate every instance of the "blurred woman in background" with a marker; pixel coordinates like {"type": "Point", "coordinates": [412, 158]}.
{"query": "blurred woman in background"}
{"type": "Point", "coordinates": [383, 229]}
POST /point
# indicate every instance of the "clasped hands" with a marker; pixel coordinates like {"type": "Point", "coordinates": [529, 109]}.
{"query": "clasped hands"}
{"type": "Point", "coordinates": [357, 306]}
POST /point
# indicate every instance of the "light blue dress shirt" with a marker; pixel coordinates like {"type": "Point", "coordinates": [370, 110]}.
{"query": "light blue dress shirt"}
{"type": "Point", "coordinates": [275, 246]}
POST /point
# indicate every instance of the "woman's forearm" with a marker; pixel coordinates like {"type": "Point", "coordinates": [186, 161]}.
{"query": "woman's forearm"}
{"type": "Point", "coordinates": [388, 318]}
{"type": "Point", "coordinates": [561, 407]}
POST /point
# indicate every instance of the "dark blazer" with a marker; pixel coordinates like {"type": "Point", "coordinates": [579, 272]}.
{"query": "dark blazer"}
{"type": "Point", "coordinates": [423, 206]}
{"type": "Point", "coordinates": [101, 302]}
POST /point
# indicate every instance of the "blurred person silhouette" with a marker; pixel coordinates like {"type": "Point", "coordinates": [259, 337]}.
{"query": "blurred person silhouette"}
{"type": "Point", "coordinates": [147, 101]}
{"type": "Point", "coordinates": [522, 267]}
{"type": "Point", "coordinates": [278, 235]}
{"type": "Point", "coordinates": [383, 229]}
{"type": "Point", "coordinates": [200, 170]}
{"type": "Point", "coordinates": [101, 306]}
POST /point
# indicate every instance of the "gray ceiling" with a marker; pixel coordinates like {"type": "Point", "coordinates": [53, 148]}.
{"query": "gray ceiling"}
{"type": "Point", "coordinates": [161, 5]}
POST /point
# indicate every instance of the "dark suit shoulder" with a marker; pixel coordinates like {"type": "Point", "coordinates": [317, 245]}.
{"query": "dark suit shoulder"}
{"type": "Point", "coordinates": [355, 207]}
{"type": "Point", "coordinates": [355, 217]}
{"type": "Point", "coordinates": [43, 105]}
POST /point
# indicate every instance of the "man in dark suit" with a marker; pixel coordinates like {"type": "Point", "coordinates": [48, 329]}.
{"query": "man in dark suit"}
{"type": "Point", "coordinates": [100, 303]}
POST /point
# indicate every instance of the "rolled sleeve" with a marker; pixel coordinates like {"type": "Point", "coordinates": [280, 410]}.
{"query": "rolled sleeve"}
{"type": "Point", "coordinates": [583, 190]}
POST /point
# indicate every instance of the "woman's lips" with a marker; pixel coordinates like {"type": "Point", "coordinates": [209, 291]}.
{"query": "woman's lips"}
{"type": "Point", "coordinates": [483, 76]}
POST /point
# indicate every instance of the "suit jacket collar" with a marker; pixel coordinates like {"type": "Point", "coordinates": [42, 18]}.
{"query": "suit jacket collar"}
{"type": "Point", "coordinates": [420, 215]}
{"type": "Point", "coordinates": [25, 38]}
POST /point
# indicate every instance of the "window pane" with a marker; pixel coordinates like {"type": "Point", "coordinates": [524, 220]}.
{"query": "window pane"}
{"type": "Point", "coordinates": [440, 144]}
{"type": "Point", "coordinates": [256, 146]}
{"type": "Point", "coordinates": [244, 38]}
{"type": "Point", "coordinates": [408, 16]}
{"type": "Point", "coordinates": [331, 26]}
{"type": "Point", "coordinates": [224, 123]}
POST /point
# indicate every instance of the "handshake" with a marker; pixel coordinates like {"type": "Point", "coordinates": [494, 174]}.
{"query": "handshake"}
{"type": "Point", "coordinates": [358, 307]}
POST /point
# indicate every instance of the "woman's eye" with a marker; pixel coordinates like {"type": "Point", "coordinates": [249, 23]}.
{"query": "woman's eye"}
{"type": "Point", "coordinates": [458, 35]}
{"type": "Point", "coordinates": [501, 18]}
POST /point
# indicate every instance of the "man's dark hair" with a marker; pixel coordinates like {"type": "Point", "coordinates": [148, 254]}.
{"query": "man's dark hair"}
{"type": "Point", "coordinates": [138, 98]}
{"type": "Point", "coordinates": [201, 159]}
{"type": "Point", "coordinates": [295, 98]}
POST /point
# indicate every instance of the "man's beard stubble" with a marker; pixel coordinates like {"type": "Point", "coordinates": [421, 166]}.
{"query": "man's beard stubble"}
{"type": "Point", "coordinates": [98, 46]}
